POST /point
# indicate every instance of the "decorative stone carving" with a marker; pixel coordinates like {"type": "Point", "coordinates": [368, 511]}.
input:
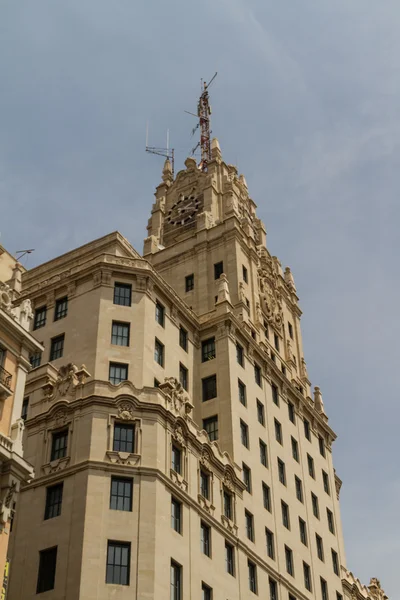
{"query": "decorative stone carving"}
{"type": "Point", "coordinates": [228, 481]}
{"type": "Point", "coordinates": [178, 399]}
{"type": "Point", "coordinates": [60, 417]}
{"type": "Point", "coordinates": [205, 460]}
{"type": "Point", "coordinates": [289, 280]}
{"type": "Point", "coordinates": [289, 351]}
{"type": "Point", "coordinates": [318, 402]}
{"type": "Point", "coordinates": [376, 590]}
{"type": "Point", "coordinates": [206, 504]}
{"type": "Point", "coordinates": [303, 369]}
{"type": "Point", "coordinates": [223, 294]}
{"type": "Point", "coordinates": [229, 524]}
{"type": "Point", "coordinates": [242, 295]}
{"type": "Point", "coordinates": [270, 294]}
{"type": "Point", "coordinates": [178, 435]}
{"type": "Point", "coordinates": [6, 502]}
{"type": "Point", "coordinates": [123, 458]}
{"type": "Point", "coordinates": [56, 465]}
{"type": "Point", "coordinates": [5, 297]}
{"type": "Point", "coordinates": [126, 411]}
{"type": "Point", "coordinates": [178, 480]}
{"type": "Point", "coordinates": [68, 378]}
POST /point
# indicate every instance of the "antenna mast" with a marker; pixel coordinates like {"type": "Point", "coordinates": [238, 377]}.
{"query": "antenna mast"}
{"type": "Point", "coordinates": [203, 114]}
{"type": "Point", "coordinates": [167, 152]}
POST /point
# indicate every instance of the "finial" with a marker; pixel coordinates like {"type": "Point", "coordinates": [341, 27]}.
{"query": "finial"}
{"type": "Point", "coordinates": [289, 279]}
{"type": "Point", "coordinates": [167, 172]}
{"type": "Point", "coordinates": [215, 149]}
{"type": "Point", "coordinates": [243, 181]}
{"type": "Point", "coordinates": [318, 402]}
{"type": "Point", "coordinates": [190, 163]}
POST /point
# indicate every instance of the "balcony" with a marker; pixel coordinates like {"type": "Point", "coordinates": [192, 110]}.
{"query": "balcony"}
{"type": "Point", "coordinates": [5, 383]}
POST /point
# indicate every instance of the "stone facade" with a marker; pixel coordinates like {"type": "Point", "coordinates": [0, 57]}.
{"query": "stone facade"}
{"type": "Point", "coordinates": [195, 352]}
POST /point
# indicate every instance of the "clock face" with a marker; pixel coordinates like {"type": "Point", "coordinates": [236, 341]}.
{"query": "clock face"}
{"type": "Point", "coordinates": [183, 211]}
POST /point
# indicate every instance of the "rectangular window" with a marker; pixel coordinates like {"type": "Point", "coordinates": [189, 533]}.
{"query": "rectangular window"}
{"type": "Point", "coordinates": [176, 581]}
{"type": "Point", "coordinates": [335, 562]}
{"type": "Point", "coordinates": [242, 392]}
{"type": "Point", "coordinates": [320, 547]}
{"type": "Point", "coordinates": [61, 308]}
{"type": "Point", "coordinates": [266, 490]}
{"type": "Point", "coordinates": [240, 355]}
{"type": "Point", "coordinates": [211, 426]}
{"type": "Point", "coordinates": [295, 449]}
{"type": "Point", "coordinates": [118, 563]}
{"type": "Point", "coordinates": [121, 494]}
{"type": "Point", "coordinates": [218, 269]}
{"type": "Point", "coordinates": [291, 412]}
{"type": "Point", "coordinates": [275, 394]}
{"type": "Point", "coordinates": [273, 589]}
{"type": "Point", "coordinates": [57, 347]}
{"type": "Point", "coordinates": [206, 592]}
{"type": "Point", "coordinates": [266, 329]}
{"type": "Point", "coordinates": [47, 570]}
{"type": "Point", "coordinates": [118, 373]}
{"type": "Point", "coordinates": [324, 589]}
{"type": "Point", "coordinates": [257, 375]}
{"type": "Point", "coordinates": [244, 272]}
{"type": "Point", "coordinates": [285, 515]}
{"type": "Point", "coordinates": [205, 484]}
{"type": "Point", "coordinates": [299, 489]}
{"type": "Point", "coordinates": [35, 359]}
{"type": "Point", "coordinates": [183, 338]}
{"type": "Point", "coordinates": [24, 411]}
{"type": "Point", "coordinates": [40, 317]}
{"type": "Point", "coordinates": [331, 525]}
{"type": "Point", "coordinates": [54, 496]}
{"type": "Point", "coordinates": [176, 461]}
{"type": "Point", "coordinates": [315, 505]}
{"type": "Point", "coordinates": [307, 576]}
{"type": "Point", "coordinates": [252, 576]}
{"type": "Point", "coordinates": [325, 479]}
{"type": "Point", "coordinates": [281, 471]}
{"type": "Point", "coordinates": [59, 445]}
{"type": "Point", "coordinates": [183, 376]}
{"type": "Point", "coordinates": [160, 314]}
{"type": "Point", "coordinates": [156, 383]}
{"type": "Point", "coordinates": [176, 515]}
{"type": "Point", "coordinates": [189, 282]}
{"type": "Point", "coordinates": [276, 341]}
{"type": "Point", "coordinates": [321, 445]}
{"type": "Point", "coordinates": [123, 437]}
{"type": "Point", "coordinates": [122, 294]}
{"type": "Point", "coordinates": [208, 349]}
{"type": "Point", "coordinates": [263, 453]}
{"type": "Point", "coordinates": [228, 509]}
{"type": "Point", "coordinates": [260, 412]}
{"type": "Point", "coordinates": [120, 333]}
{"type": "Point", "coordinates": [244, 433]}
{"type": "Point", "coordinates": [289, 561]}
{"type": "Point", "coordinates": [273, 357]}
{"type": "Point", "coordinates": [247, 477]}
{"type": "Point", "coordinates": [283, 369]}
{"type": "Point", "coordinates": [339, 596]}
{"type": "Point", "coordinates": [269, 539]}
{"type": "Point", "coordinates": [159, 352]}
{"type": "Point", "coordinates": [307, 430]}
{"type": "Point", "coordinates": [310, 462]}
{"type": "Point", "coordinates": [230, 559]}
{"type": "Point", "coordinates": [249, 525]}
{"type": "Point", "coordinates": [209, 385]}
{"type": "Point", "coordinates": [303, 531]}
{"type": "Point", "coordinates": [290, 328]}
{"type": "Point", "coordinates": [205, 538]}
{"type": "Point", "coordinates": [278, 432]}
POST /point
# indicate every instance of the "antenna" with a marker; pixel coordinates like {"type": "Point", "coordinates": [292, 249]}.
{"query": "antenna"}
{"type": "Point", "coordinates": [23, 252]}
{"type": "Point", "coordinates": [203, 114]}
{"type": "Point", "coordinates": [167, 152]}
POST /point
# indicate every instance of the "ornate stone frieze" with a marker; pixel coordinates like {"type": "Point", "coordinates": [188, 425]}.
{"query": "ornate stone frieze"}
{"type": "Point", "coordinates": [179, 480]}
{"type": "Point", "coordinates": [68, 379]}
{"type": "Point", "coordinates": [126, 411]}
{"type": "Point", "coordinates": [56, 465]}
{"type": "Point", "coordinates": [177, 398]}
{"type": "Point", "coordinates": [269, 290]}
{"type": "Point", "coordinates": [206, 504]}
{"type": "Point", "coordinates": [123, 458]}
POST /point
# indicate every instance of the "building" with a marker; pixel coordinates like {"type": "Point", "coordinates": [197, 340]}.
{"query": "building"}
{"type": "Point", "coordinates": [179, 450]}
{"type": "Point", "coordinates": [16, 345]}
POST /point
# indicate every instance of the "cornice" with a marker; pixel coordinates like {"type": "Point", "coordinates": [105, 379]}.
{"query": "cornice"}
{"type": "Point", "coordinates": [19, 334]}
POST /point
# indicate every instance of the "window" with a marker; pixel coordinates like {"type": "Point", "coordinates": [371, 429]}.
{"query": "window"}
{"type": "Point", "coordinates": [247, 477]}
{"type": "Point", "coordinates": [339, 596]}
{"type": "Point", "coordinates": [290, 328]}
{"type": "Point", "coordinates": [176, 515]}
{"type": "Point", "coordinates": [275, 394]}
{"type": "Point", "coordinates": [123, 437]}
{"type": "Point", "coordinates": [242, 392]}
{"type": "Point", "coordinates": [118, 373]}
{"type": "Point", "coordinates": [205, 538]}
{"type": "Point", "coordinates": [249, 525]}
{"type": "Point", "coordinates": [244, 433]}
{"type": "Point", "coordinates": [325, 479]}
{"type": "Point", "coordinates": [321, 445]}
{"type": "Point", "coordinates": [120, 333]}
{"type": "Point", "coordinates": [206, 592]}
{"type": "Point", "coordinates": [283, 369]}
{"type": "Point", "coordinates": [291, 597]}
{"type": "Point", "coordinates": [244, 272]}
{"type": "Point", "coordinates": [54, 495]}
{"type": "Point", "coordinates": [209, 387]}
{"type": "Point", "coordinates": [205, 484]}
{"type": "Point", "coordinates": [335, 562]}
{"type": "Point", "coordinates": [61, 308]}
{"type": "Point", "coordinates": [35, 359]}
{"type": "Point", "coordinates": [295, 449]}
{"type": "Point", "coordinates": [211, 426]}
{"type": "Point", "coordinates": [183, 376]}
{"type": "Point", "coordinates": [324, 589]}
{"type": "Point", "coordinates": [208, 349]}
{"type": "Point", "coordinates": [303, 531]}
{"type": "Point", "coordinates": [285, 515]}
{"type": "Point", "coordinates": [59, 445]}
{"type": "Point", "coordinates": [240, 355]}
{"type": "Point", "coordinates": [310, 462]}
{"type": "Point", "coordinates": [281, 471]}
{"type": "Point", "coordinates": [299, 488]}
{"type": "Point", "coordinates": [156, 383]}
{"type": "Point", "coordinates": [118, 563]}
{"type": "Point", "coordinates": [307, 576]}
{"type": "Point", "coordinates": [260, 412]}
{"type": "Point", "coordinates": [189, 282]}
{"type": "Point", "coordinates": [263, 453]}
{"type": "Point", "coordinates": [269, 540]}
{"type": "Point", "coordinates": [252, 576]}
{"type": "Point", "coordinates": [273, 357]}
{"type": "Point", "coordinates": [176, 459]}
{"type": "Point", "coordinates": [160, 314]}
{"type": "Point", "coordinates": [228, 512]}
{"type": "Point", "coordinates": [57, 347]}
{"type": "Point", "coordinates": [40, 317]}
{"type": "Point", "coordinates": [183, 338]}
{"type": "Point", "coordinates": [331, 525]}
{"type": "Point", "coordinates": [122, 294]}
{"type": "Point", "coordinates": [24, 411]}
{"type": "Point", "coordinates": [218, 270]}
{"type": "Point", "coordinates": [291, 412]}
{"type": "Point", "coordinates": [278, 432]}
{"type": "Point", "coordinates": [47, 570]}
{"type": "Point", "coordinates": [230, 559]}
{"type": "Point", "coordinates": [320, 546]}
{"type": "Point", "coordinates": [289, 561]}
{"type": "Point", "coordinates": [121, 494]}
{"type": "Point", "coordinates": [266, 490]}
{"type": "Point", "coordinates": [276, 341]}
{"type": "Point", "coordinates": [266, 329]}
{"type": "Point", "coordinates": [257, 375]}
{"type": "Point", "coordinates": [315, 505]}
{"type": "Point", "coordinates": [176, 581]}
{"type": "Point", "coordinates": [159, 352]}
{"type": "Point", "coordinates": [307, 429]}
{"type": "Point", "coordinates": [273, 589]}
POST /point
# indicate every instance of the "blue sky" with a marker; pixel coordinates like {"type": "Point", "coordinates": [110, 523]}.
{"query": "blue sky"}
{"type": "Point", "coordinates": [306, 103]}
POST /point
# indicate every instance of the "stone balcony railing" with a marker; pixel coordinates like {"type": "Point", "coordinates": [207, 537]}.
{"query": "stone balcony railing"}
{"type": "Point", "coordinates": [5, 382]}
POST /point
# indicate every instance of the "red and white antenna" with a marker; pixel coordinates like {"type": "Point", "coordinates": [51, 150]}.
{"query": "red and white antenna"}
{"type": "Point", "coordinates": [203, 114]}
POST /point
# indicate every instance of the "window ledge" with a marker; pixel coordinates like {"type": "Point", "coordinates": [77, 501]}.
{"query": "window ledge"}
{"type": "Point", "coordinates": [56, 465]}
{"type": "Point", "coordinates": [179, 480]}
{"type": "Point", "coordinates": [123, 458]}
{"type": "Point", "coordinates": [229, 524]}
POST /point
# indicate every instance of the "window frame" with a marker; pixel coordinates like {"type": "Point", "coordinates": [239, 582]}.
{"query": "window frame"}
{"type": "Point", "coordinates": [208, 349]}
{"type": "Point", "coordinates": [205, 484]}
{"type": "Point", "coordinates": [299, 489]}
{"type": "Point", "coordinates": [295, 449]}
{"type": "Point", "coordinates": [325, 480]}
{"type": "Point", "coordinates": [281, 471]}
{"type": "Point", "coordinates": [229, 558]}
{"type": "Point", "coordinates": [303, 532]}
{"type": "Point", "coordinates": [291, 412]}
{"type": "Point", "coordinates": [184, 376]}
{"type": "Point", "coordinates": [53, 504]}
{"type": "Point", "coordinates": [311, 466]}
{"type": "Point", "coordinates": [212, 434]}
{"type": "Point", "coordinates": [123, 445]}
{"type": "Point", "coordinates": [249, 522]}
{"type": "Point", "coordinates": [121, 367]}
{"type": "Point", "coordinates": [176, 583]}
{"type": "Point", "coordinates": [266, 491]}
{"type": "Point", "coordinates": [258, 375]}
{"type": "Point", "coordinates": [218, 269]}
{"type": "Point", "coordinates": [263, 453]}
{"type": "Point", "coordinates": [315, 505]}
{"type": "Point", "coordinates": [245, 274]}
{"type": "Point", "coordinates": [160, 313]}
{"type": "Point", "coordinates": [40, 317]}
{"type": "Point", "coordinates": [260, 412]}
{"type": "Point", "coordinates": [24, 408]}
{"type": "Point", "coordinates": [123, 333]}
{"type": "Point", "coordinates": [252, 573]}
{"type": "Point", "coordinates": [242, 393]}
{"type": "Point", "coordinates": [275, 394]}
{"type": "Point", "coordinates": [183, 338]}
{"type": "Point", "coordinates": [46, 582]}
{"type": "Point", "coordinates": [247, 477]}
{"type": "Point", "coordinates": [239, 354]}
{"type": "Point", "coordinates": [270, 543]}
{"type": "Point", "coordinates": [209, 386]}
{"type": "Point", "coordinates": [244, 434]}
{"type": "Point", "coordinates": [335, 562]}
{"type": "Point", "coordinates": [120, 545]}
{"type": "Point", "coordinates": [285, 515]}
{"type": "Point", "coordinates": [115, 498]}
{"type": "Point", "coordinates": [61, 452]}
{"type": "Point", "coordinates": [176, 453]}
{"type": "Point", "coordinates": [176, 515]}
{"type": "Point", "coordinates": [307, 576]}
{"type": "Point", "coordinates": [119, 286]}
{"type": "Point", "coordinates": [307, 429]}
{"type": "Point", "coordinates": [320, 547]}
{"type": "Point", "coordinates": [289, 560]}
{"type": "Point", "coordinates": [321, 443]}
{"type": "Point", "coordinates": [58, 339]}
{"type": "Point", "coordinates": [189, 283]}
{"type": "Point", "coordinates": [61, 308]}
{"type": "Point", "coordinates": [159, 353]}
{"type": "Point", "coordinates": [331, 521]}
{"type": "Point", "coordinates": [278, 432]}
{"type": "Point", "coordinates": [205, 538]}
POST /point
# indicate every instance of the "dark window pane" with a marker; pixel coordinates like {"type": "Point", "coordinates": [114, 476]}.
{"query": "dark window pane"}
{"type": "Point", "coordinates": [242, 392]}
{"type": "Point", "coordinates": [40, 317]}
{"type": "Point", "coordinates": [121, 494]}
{"type": "Point", "coordinates": [211, 426]}
{"type": "Point", "coordinates": [205, 539]}
{"type": "Point", "coordinates": [61, 308]}
{"type": "Point", "coordinates": [275, 394]}
{"type": "Point", "coordinates": [247, 477]}
{"type": "Point", "coordinates": [159, 353]}
{"type": "Point", "coordinates": [183, 376]}
{"type": "Point", "coordinates": [118, 563]}
{"type": "Point", "coordinates": [249, 525]}
{"type": "Point", "coordinates": [176, 581]}
{"type": "Point", "coordinates": [123, 438]}
{"type": "Point", "coordinates": [263, 453]}
{"type": "Point", "coordinates": [208, 349]}
{"type": "Point", "coordinates": [177, 459]}
{"type": "Point", "coordinates": [218, 270]}
{"type": "Point", "coordinates": [209, 387]}
{"type": "Point", "coordinates": [120, 333]}
{"type": "Point", "coordinates": [244, 434]}
{"type": "Point", "coordinates": [183, 338]}
{"type": "Point", "coordinates": [122, 294]}
{"type": "Point", "coordinates": [278, 431]}
{"type": "Point", "coordinates": [303, 531]}
{"type": "Point", "coordinates": [266, 497]}
{"type": "Point", "coordinates": [252, 577]}
{"type": "Point", "coordinates": [228, 512]}
{"type": "Point", "coordinates": [257, 375]}
{"type": "Point", "coordinates": [205, 484]}
{"type": "Point", "coordinates": [59, 445]}
{"type": "Point", "coordinates": [291, 412]}
{"type": "Point", "coordinates": [229, 559]}
{"type": "Point", "coordinates": [176, 515]}
{"type": "Point", "coordinates": [54, 495]}
{"type": "Point", "coordinates": [189, 283]}
{"type": "Point", "coordinates": [239, 355]}
{"type": "Point", "coordinates": [47, 570]}
{"type": "Point", "coordinates": [57, 347]}
{"type": "Point", "coordinates": [269, 539]}
{"type": "Point", "coordinates": [118, 373]}
{"type": "Point", "coordinates": [160, 314]}
{"type": "Point", "coordinates": [24, 411]}
{"type": "Point", "coordinates": [260, 412]}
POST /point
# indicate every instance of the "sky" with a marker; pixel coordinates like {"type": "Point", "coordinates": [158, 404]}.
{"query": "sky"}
{"type": "Point", "coordinates": [306, 104]}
